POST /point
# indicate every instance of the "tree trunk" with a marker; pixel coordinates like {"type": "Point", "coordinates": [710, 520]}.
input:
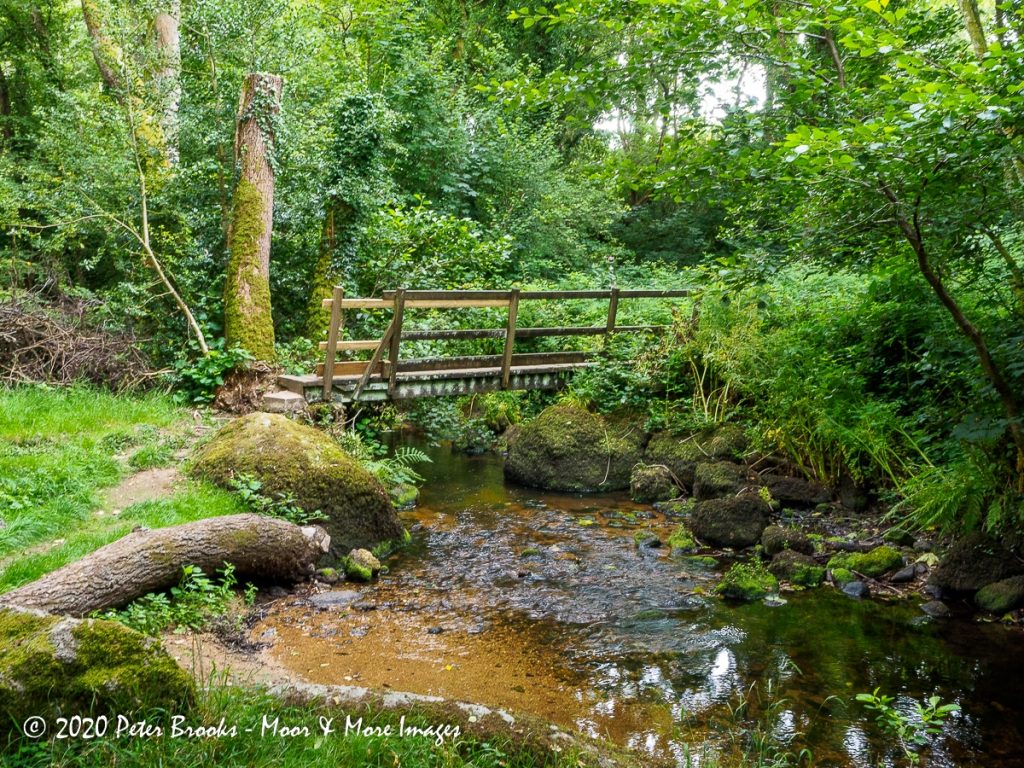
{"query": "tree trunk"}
{"type": "Point", "coordinates": [247, 314]}
{"type": "Point", "coordinates": [144, 561]}
{"type": "Point", "coordinates": [167, 77]}
{"type": "Point", "coordinates": [5, 112]}
{"type": "Point", "coordinates": [975, 30]}
{"type": "Point", "coordinates": [106, 53]}
{"type": "Point", "coordinates": [1008, 398]}
{"type": "Point", "coordinates": [318, 318]}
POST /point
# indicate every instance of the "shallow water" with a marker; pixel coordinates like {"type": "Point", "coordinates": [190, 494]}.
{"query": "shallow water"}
{"type": "Point", "coordinates": [542, 603]}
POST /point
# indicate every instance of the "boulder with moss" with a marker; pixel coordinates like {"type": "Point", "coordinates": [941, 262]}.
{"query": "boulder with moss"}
{"type": "Point", "coordinates": [650, 483]}
{"type": "Point", "coordinates": [298, 461]}
{"type": "Point", "coordinates": [682, 453]}
{"type": "Point", "coordinates": [877, 562]}
{"type": "Point", "coordinates": [795, 491]}
{"type": "Point", "coordinates": [776, 539]}
{"type": "Point", "coordinates": [747, 581]}
{"type": "Point", "coordinates": [796, 568]}
{"type": "Point", "coordinates": [973, 561]}
{"type": "Point", "coordinates": [567, 448]}
{"type": "Point", "coordinates": [736, 522]}
{"type": "Point", "coordinates": [721, 479]}
{"type": "Point", "coordinates": [1002, 596]}
{"type": "Point", "coordinates": [54, 666]}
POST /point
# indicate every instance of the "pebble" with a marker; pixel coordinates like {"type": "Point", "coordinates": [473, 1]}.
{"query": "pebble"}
{"type": "Point", "coordinates": [936, 609]}
{"type": "Point", "coordinates": [903, 575]}
{"type": "Point", "coordinates": [857, 589]}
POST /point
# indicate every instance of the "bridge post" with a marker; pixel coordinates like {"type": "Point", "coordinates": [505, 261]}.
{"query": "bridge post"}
{"type": "Point", "coordinates": [613, 309]}
{"type": "Point", "coordinates": [396, 339]}
{"type": "Point", "coordinates": [333, 334]}
{"type": "Point", "coordinates": [510, 338]}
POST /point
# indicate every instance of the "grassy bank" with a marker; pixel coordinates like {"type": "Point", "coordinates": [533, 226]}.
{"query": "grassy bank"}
{"type": "Point", "coordinates": [60, 449]}
{"type": "Point", "coordinates": [279, 737]}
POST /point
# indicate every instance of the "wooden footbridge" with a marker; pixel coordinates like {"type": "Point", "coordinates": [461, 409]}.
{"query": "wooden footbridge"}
{"type": "Point", "coordinates": [387, 376]}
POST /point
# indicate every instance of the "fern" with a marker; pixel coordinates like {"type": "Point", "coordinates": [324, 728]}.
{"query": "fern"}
{"type": "Point", "coordinates": [962, 495]}
{"type": "Point", "coordinates": [398, 469]}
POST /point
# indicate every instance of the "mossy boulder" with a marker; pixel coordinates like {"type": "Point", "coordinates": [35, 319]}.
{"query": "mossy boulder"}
{"type": "Point", "coordinates": [292, 459]}
{"type": "Point", "coordinates": [796, 568]}
{"type": "Point", "coordinates": [649, 483]}
{"type": "Point", "coordinates": [795, 491]}
{"type": "Point", "coordinates": [53, 666]}
{"type": "Point", "coordinates": [877, 562]}
{"type": "Point", "coordinates": [682, 453]}
{"type": "Point", "coordinates": [747, 581]}
{"type": "Point", "coordinates": [567, 448]}
{"type": "Point", "coordinates": [776, 539]}
{"type": "Point", "coordinates": [735, 522]}
{"type": "Point", "coordinates": [720, 479]}
{"type": "Point", "coordinates": [1002, 596]}
{"type": "Point", "coordinates": [974, 561]}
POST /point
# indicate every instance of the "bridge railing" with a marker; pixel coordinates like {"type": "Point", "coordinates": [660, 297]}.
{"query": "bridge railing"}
{"type": "Point", "coordinates": [400, 300]}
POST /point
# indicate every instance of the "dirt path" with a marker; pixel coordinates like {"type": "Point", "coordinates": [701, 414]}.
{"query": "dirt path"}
{"type": "Point", "coordinates": [147, 485]}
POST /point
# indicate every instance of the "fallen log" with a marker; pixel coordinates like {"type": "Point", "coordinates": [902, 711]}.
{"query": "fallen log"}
{"type": "Point", "coordinates": [260, 548]}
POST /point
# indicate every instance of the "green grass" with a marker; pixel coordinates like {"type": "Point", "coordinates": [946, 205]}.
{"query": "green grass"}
{"type": "Point", "coordinates": [194, 501]}
{"type": "Point", "coordinates": [246, 708]}
{"type": "Point", "coordinates": [59, 448]}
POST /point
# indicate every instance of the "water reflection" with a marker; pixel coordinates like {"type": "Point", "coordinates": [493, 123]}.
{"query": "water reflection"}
{"type": "Point", "coordinates": [545, 604]}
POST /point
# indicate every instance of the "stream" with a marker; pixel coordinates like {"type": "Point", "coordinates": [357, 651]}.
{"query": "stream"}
{"type": "Point", "coordinates": [541, 603]}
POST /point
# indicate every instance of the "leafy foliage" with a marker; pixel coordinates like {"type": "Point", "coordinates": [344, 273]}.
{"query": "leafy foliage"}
{"type": "Point", "coordinates": [191, 605]}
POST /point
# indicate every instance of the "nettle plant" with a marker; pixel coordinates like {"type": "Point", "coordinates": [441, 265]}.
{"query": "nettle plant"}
{"type": "Point", "coordinates": [282, 505]}
{"type": "Point", "coordinates": [911, 729]}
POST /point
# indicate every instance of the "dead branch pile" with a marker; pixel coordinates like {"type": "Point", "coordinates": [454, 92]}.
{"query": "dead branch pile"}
{"type": "Point", "coordinates": [55, 342]}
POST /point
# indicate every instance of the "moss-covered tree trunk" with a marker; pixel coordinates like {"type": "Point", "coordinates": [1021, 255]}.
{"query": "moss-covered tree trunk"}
{"type": "Point", "coordinates": [337, 231]}
{"type": "Point", "coordinates": [247, 315]}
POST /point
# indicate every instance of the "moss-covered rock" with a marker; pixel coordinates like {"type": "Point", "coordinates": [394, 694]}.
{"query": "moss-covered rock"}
{"type": "Point", "coordinates": [1002, 596]}
{"type": "Point", "coordinates": [682, 540]}
{"type": "Point", "coordinates": [973, 561]}
{"type": "Point", "coordinates": [290, 458]}
{"type": "Point", "coordinates": [361, 565]}
{"type": "Point", "coordinates": [52, 666]}
{"type": "Point", "coordinates": [735, 522]}
{"type": "Point", "coordinates": [682, 453]}
{"type": "Point", "coordinates": [796, 568]}
{"type": "Point", "coordinates": [842, 576]}
{"type": "Point", "coordinates": [747, 581]}
{"type": "Point", "coordinates": [795, 491]}
{"type": "Point", "coordinates": [649, 483]}
{"type": "Point", "coordinates": [720, 479]}
{"type": "Point", "coordinates": [570, 449]}
{"type": "Point", "coordinates": [646, 540]}
{"type": "Point", "coordinates": [878, 562]}
{"type": "Point", "coordinates": [404, 496]}
{"type": "Point", "coordinates": [776, 539]}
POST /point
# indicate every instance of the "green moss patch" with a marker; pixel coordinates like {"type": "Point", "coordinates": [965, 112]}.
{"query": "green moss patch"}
{"type": "Point", "coordinates": [747, 581]}
{"type": "Point", "coordinates": [878, 562]}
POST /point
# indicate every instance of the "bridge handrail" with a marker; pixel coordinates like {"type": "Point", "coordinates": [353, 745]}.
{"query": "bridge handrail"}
{"type": "Point", "coordinates": [401, 299]}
